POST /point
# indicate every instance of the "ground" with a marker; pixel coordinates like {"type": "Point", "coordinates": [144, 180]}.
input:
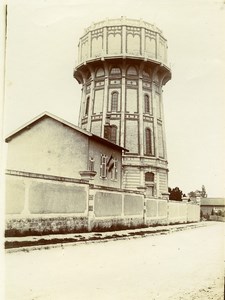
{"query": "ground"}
{"type": "Point", "coordinates": [180, 265]}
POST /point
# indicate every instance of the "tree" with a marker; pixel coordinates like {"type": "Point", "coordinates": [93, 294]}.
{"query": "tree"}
{"type": "Point", "coordinates": [175, 194]}
{"type": "Point", "coordinates": [204, 194]}
{"type": "Point", "coordinates": [198, 193]}
{"type": "Point", "coordinates": [201, 214]}
{"type": "Point", "coordinates": [192, 194]}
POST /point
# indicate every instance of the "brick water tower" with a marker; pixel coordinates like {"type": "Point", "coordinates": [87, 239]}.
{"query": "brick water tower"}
{"type": "Point", "coordinates": [122, 66]}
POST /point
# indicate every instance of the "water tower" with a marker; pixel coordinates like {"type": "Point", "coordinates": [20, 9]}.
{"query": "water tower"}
{"type": "Point", "coordinates": [122, 66]}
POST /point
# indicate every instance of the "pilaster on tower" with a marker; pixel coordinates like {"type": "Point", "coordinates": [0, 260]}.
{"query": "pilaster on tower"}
{"type": "Point", "coordinates": [122, 68]}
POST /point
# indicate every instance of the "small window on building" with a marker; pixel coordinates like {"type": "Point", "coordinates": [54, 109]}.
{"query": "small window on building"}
{"type": "Point", "coordinates": [115, 71]}
{"type": "Point", "coordinates": [114, 170]}
{"type": "Point", "coordinates": [114, 101]}
{"type": "Point", "coordinates": [132, 71]}
{"type": "Point", "coordinates": [91, 166]}
{"type": "Point", "coordinates": [103, 171]}
{"type": "Point", "coordinates": [113, 134]}
{"type": "Point", "coordinates": [147, 104]}
{"type": "Point", "coordinates": [149, 177]}
{"type": "Point", "coordinates": [148, 139]}
{"type": "Point", "coordinates": [87, 106]}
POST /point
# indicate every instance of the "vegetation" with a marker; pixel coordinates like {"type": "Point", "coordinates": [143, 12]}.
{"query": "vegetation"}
{"type": "Point", "coordinates": [175, 194]}
{"type": "Point", "coordinates": [198, 193]}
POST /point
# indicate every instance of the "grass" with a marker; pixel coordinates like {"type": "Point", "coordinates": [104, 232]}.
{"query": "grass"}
{"type": "Point", "coordinates": [76, 239]}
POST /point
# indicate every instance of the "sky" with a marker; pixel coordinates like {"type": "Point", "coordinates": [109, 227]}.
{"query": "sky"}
{"type": "Point", "coordinates": [41, 53]}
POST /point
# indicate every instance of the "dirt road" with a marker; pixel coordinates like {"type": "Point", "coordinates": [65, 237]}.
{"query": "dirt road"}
{"type": "Point", "coordinates": [181, 265]}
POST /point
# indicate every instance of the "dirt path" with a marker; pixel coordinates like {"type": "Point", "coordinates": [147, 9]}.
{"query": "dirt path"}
{"type": "Point", "coordinates": [181, 265]}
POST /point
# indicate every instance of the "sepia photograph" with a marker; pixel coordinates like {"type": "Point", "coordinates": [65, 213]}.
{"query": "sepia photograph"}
{"type": "Point", "coordinates": [112, 149]}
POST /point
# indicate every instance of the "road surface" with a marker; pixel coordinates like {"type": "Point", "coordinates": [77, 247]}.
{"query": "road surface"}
{"type": "Point", "coordinates": [181, 265]}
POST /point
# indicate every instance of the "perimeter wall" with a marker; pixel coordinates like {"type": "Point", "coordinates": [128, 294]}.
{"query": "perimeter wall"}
{"type": "Point", "coordinates": [44, 204]}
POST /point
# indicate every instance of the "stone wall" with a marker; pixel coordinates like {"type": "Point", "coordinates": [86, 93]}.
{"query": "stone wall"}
{"type": "Point", "coordinates": [46, 224]}
{"type": "Point", "coordinates": [156, 211]}
{"type": "Point", "coordinates": [42, 204]}
{"type": "Point", "coordinates": [32, 195]}
{"type": "Point", "coordinates": [113, 210]}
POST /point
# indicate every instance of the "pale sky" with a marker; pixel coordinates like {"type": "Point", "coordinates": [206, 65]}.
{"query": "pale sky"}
{"type": "Point", "coordinates": [42, 51]}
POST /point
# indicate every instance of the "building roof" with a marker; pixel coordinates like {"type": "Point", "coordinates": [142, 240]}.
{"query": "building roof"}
{"type": "Point", "coordinates": [72, 126]}
{"type": "Point", "coordinates": [213, 202]}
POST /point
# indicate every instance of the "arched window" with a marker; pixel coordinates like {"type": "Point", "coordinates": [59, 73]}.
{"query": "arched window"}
{"type": "Point", "coordinates": [148, 139]}
{"type": "Point", "coordinates": [131, 71]}
{"type": "Point", "coordinates": [114, 101]}
{"type": "Point", "coordinates": [100, 72]}
{"type": "Point", "coordinates": [87, 105]}
{"type": "Point", "coordinates": [115, 71]}
{"type": "Point", "coordinates": [147, 104]}
{"type": "Point", "coordinates": [149, 177]}
{"type": "Point", "coordinates": [113, 134]}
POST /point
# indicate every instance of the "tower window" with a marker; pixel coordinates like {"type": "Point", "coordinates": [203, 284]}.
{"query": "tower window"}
{"type": "Point", "coordinates": [115, 71]}
{"type": "Point", "coordinates": [132, 71]}
{"type": "Point", "coordinates": [87, 106]}
{"type": "Point", "coordinates": [113, 134]}
{"type": "Point", "coordinates": [148, 141]}
{"type": "Point", "coordinates": [149, 177]}
{"type": "Point", "coordinates": [114, 101]}
{"type": "Point", "coordinates": [147, 104]}
{"type": "Point", "coordinates": [100, 72]}
{"type": "Point", "coordinates": [103, 172]}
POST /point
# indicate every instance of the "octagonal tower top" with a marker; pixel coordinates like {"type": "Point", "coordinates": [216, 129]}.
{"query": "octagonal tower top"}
{"type": "Point", "coordinates": [122, 38]}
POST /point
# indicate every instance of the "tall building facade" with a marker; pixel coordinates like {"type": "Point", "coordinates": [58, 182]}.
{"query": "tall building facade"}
{"type": "Point", "coordinates": [122, 67]}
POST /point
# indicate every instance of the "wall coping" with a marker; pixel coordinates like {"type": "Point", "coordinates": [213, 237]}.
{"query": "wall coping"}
{"type": "Point", "coordinates": [86, 182]}
{"type": "Point", "coordinates": [68, 179]}
{"type": "Point", "coordinates": [44, 176]}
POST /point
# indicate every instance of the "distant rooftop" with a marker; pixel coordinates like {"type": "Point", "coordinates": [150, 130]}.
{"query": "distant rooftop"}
{"type": "Point", "coordinates": [213, 201]}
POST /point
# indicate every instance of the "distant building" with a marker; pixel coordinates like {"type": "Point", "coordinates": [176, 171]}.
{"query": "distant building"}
{"type": "Point", "coordinates": [208, 205]}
